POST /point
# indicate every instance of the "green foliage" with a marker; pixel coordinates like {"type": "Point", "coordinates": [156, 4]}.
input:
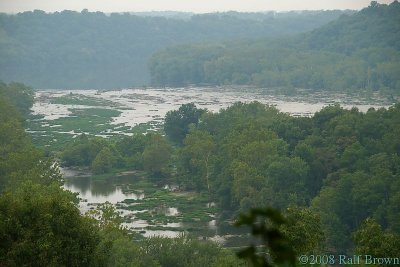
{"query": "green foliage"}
{"type": "Point", "coordinates": [186, 251]}
{"type": "Point", "coordinates": [287, 176]}
{"type": "Point", "coordinates": [38, 220]}
{"type": "Point", "coordinates": [342, 164]}
{"type": "Point", "coordinates": [41, 226]}
{"type": "Point", "coordinates": [177, 122]}
{"type": "Point", "coordinates": [99, 119]}
{"type": "Point", "coordinates": [82, 151]}
{"type": "Point", "coordinates": [192, 207]}
{"type": "Point", "coordinates": [131, 145]}
{"type": "Point", "coordinates": [117, 249]}
{"type": "Point", "coordinates": [156, 155]}
{"type": "Point", "coordinates": [131, 149]}
{"type": "Point", "coordinates": [276, 248]}
{"type": "Point", "coordinates": [14, 144]}
{"type": "Point", "coordinates": [195, 158]}
{"type": "Point", "coordinates": [364, 175]}
{"type": "Point", "coordinates": [107, 216]}
{"type": "Point", "coordinates": [19, 159]}
{"type": "Point", "coordinates": [150, 152]}
{"type": "Point", "coordinates": [98, 153]}
{"type": "Point", "coordinates": [109, 51]}
{"type": "Point", "coordinates": [235, 155]}
{"type": "Point", "coordinates": [104, 161]}
{"type": "Point", "coordinates": [358, 51]}
{"type": "Point", "coordinates": [228, 259]}
{"type": "Point", "coordinates": [370, 239]}
{"type": "Point", "coordinates": [303, 230]}
{"type": "Point", "coordinates": [19, 95]}
{"type": "Point", "coordinates": [116, 246]}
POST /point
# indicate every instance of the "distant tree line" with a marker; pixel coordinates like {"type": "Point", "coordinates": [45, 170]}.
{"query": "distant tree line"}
{"type": "Point", "coordinates": [357, 51]}
{"type": "Point", "coordinates": [95, 50]}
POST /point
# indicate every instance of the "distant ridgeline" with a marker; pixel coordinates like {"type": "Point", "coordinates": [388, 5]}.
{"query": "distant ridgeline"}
{"type": "Point", "coordinates": [356, 51]}
{"type": "Point", "coordinates": [96, 50]}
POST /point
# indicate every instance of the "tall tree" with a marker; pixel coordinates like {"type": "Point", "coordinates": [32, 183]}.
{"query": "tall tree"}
{"type": "Point", "coordinates": [196, 160]}
{"type": "Point", "coordinates": [156, 155]}
{"type": "Point", "coordinates": [176, 125]}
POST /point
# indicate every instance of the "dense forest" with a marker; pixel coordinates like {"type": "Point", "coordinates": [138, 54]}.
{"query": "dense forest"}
{"type": "Point", "coordinates": [341, 164]}
{"type": "Point", "coordinates": [95, 50]}
{"type": "Point", "coordinates": [333, 171]}
{"type": "Point", "coordinates": [356, 51]}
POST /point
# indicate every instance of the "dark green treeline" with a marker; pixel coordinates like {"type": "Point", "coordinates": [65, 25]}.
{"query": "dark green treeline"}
{"type": "Point", "coordinates": [96, 50]}
{"type": "Point", "coordinates": [357, 51]}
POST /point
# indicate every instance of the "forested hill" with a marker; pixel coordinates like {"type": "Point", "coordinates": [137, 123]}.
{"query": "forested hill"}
{"type": "Point", "coordinates": [375, 26]}
{"type": "Point", "coordinates": [356, 51]}
{"type": "Point", "coordinates": [96, 50]}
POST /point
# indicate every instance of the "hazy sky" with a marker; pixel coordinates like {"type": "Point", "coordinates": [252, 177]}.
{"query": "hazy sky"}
{"type": "Point", "coordinates": [198, 6]}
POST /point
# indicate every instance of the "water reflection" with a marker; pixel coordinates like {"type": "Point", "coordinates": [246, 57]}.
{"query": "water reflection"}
{"type": "Point", "coordinates": [117, 189]}
{"type": "Point", "coordinates": [113, 190]}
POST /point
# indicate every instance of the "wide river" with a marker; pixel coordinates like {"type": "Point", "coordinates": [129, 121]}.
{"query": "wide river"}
{"type": "Point", "coordinates": [146, 105]}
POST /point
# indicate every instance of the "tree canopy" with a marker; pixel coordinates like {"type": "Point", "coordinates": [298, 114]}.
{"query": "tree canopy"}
{"type": "Point", "coordinates": [96, 50]}
{"type": "Point", "coordinates": [341, 165]}
{"type": "Point", "coordinates": [177, 122]}
{"type": "Point", "coordinates": [357, 51]}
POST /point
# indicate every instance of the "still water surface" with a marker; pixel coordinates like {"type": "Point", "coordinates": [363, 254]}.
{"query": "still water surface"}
{"type": "Point", "coordinates": [117, 189]}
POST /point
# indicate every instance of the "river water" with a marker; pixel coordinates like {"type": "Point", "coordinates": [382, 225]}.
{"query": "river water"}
{"type": "Point", "coordinates": [118, 188]}
{"type": "Point", "coordinates": [146, 105]}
